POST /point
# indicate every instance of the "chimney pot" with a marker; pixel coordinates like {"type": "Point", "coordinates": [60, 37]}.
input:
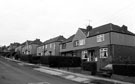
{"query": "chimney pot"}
{"type": "Point", "coordinates": [124, 27]}
{"type": "Point", "coordinates": [89, 28]}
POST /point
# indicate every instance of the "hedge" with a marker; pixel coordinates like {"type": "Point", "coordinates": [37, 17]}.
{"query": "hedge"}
{"type": "Point", "coordinates": [124, 69]}
{"type": "Point", "coordinates": [61, 61]}
{"type": "Point", "coordinates": [90, 66]}
{"type": "Point", "coordinates": [52, 61]}
{"type": "Point", "coordinates": [26, 58]}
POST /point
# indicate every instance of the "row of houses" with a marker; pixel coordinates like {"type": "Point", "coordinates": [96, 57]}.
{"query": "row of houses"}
{"type": "Point", "coordinates": [102, 44]}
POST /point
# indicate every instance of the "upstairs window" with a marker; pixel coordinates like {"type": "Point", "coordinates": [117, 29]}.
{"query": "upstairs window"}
{"type": "Point", "coordinates": [82, 42]}
{"type": "Point", "coordinates": [100, 38]}
{"type": "Point", "coordinates": [76, 43]}
{"type": "Point", "coordinates": [50, 45]}
{"type": "Point", "coordinates": [54, 45]}
{"type": "Point", "coordinates": [46, 46]}
{"type": "Point", "coordinates": [64, 46]}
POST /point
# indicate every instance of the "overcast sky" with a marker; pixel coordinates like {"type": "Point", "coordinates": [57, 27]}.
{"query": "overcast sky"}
{"type": "Point", "coordinates": [22, 20]}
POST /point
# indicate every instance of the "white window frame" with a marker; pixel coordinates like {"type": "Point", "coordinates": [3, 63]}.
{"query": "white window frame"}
{"type": "Point", "coordinates": [84, 52]}
{"type": "Point", "coordinates": [103, 51]}
{"type": "Point", "coordinates": [82, 42]}
{"type": "Point", "coordinates": [100, 38]}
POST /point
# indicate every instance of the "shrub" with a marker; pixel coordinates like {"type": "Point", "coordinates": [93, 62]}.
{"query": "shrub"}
{"type": "Point", "coordinates": [124, 69]}
{"type": "Point", "coordinates": [61, 61]}
{"type": "Point", "coordinates": [90, 66]}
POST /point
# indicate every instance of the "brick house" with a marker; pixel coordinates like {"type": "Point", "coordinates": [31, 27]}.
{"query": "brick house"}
{"type": "Point", "coordinates": [51, 46]}
{"type": "Point", "coordinates": [13, 46]}
{"type": "Point", "coordinates": [30, 47]}
{"type": "Point", "coordinates": [19, 49]}
{"type": "Point", "coordinates": [41, 50]}
{"type": "Point", "coordinates": [103, 44]}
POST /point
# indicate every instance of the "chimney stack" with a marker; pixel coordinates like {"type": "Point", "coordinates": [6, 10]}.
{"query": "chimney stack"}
{"type": "Point", "coordinates": [124, 27]}
{"type": "Point", "coordinates": [89, 28]}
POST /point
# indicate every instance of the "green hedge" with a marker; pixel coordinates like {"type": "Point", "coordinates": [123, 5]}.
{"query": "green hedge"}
{"type": "Point", "coordinates": [124, 69]}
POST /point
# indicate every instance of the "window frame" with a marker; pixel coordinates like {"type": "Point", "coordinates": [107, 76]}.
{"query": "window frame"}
{"type": "Point", "coordinates": [64, 46]}
{"type": "Point", "coordinates": [103, 51]}
{"type": "Point", "coordinates": [100, 38]}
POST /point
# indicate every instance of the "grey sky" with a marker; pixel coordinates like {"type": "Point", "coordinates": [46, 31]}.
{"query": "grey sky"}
{"type": "Point", "coordinates": [22, 20]}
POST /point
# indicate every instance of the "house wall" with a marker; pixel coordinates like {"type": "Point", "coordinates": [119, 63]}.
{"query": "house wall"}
{"type": "Point", "coordinates": [92, 41]}
{"type": "Point", "coordinates": [40, 50]}
{"type": "Point", "coordinates": [69, 46]}
{"type": "Point", "coordinates": [89, 43]}
{"type": "Point", "coordinates": [79, 35]}
{"type": "Point", "coordinates": [24, 48]}
{"type": "Point", "coordinates": [51, 48]}
{"type": "Point", "coordinates": [33, 49]}
{"type": "Point", "coordinates": [57, 48]}
{"type": "Point", "coordinates": [18, 49]}
{"type": "Point", "coordinates": [122, 39]}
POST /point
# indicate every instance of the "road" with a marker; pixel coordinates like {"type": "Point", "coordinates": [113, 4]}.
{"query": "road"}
{"type": "Point", "coordinates": [13, 73]}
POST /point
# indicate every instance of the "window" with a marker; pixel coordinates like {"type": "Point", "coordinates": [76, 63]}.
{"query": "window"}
{"type": "Point", "coordinates": [79, 42]}
{"type": "Point", "coordinates": [103, 52]}
{"type": "Point", "coordinates": [100, 38]}
{"type": "Point", "coordinates": [50, 45]}
{"type": "Point", "coordinates": [84, 54]}
{"type": "Point", "coordinates": [39, 54]}
{"type": "Point", "coordinates": [63, 45]}
{"type": "Point", "coordinates": [82, 42]}
{"type": "Point", "coordinates": [54, 45]}
{"type": "Point", "coordinates": [76, 43]}
{"type": "Point", "coordinates": [45, 46]}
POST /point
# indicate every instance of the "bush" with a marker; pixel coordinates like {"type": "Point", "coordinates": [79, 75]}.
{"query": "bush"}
{"type": "Point", "coordinates": [44, 60]}
{"type": "Point", "coordinates": [90, 66]}
{"type": "Point", "coordinates": [35, 59]}
{"type": "Point", "coordinates": [124, 69]}
{"type": "Point", "coordinates": [26, 58]}
{"type": "Point", "coordinates": [61, 61]}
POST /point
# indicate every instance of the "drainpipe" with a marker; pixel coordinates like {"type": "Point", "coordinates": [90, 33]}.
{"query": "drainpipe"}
{"type": "Point", "coordinates": [111, 46]}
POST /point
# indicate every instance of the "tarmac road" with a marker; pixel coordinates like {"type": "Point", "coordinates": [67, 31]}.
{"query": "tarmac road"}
{"type": "Point", "coordinates": [12, 73]}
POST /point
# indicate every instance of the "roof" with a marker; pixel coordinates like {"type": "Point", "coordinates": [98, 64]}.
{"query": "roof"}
{"type": "Point", "coordinates": [108, 28]}
{"type": "Point", "coordinates": [28, 41]}
{"type": "Point", "coordinates": [84, 30]}
{"type": "Point", "coordinates": [36, 41]}
{"type": "Point", "coordinates": [69, 39]}
{"type": "Point", "coordinates": [55, 39]}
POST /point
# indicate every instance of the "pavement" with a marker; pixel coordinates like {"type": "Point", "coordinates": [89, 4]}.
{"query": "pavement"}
{"type": "Point", "coordinates": [77, 77]}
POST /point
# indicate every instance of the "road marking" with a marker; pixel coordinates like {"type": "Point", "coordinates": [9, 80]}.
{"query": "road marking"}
{"type": "Point", "coordinates": [48, 71]}
{"type": "Point", "coordinates": [40, 83]}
